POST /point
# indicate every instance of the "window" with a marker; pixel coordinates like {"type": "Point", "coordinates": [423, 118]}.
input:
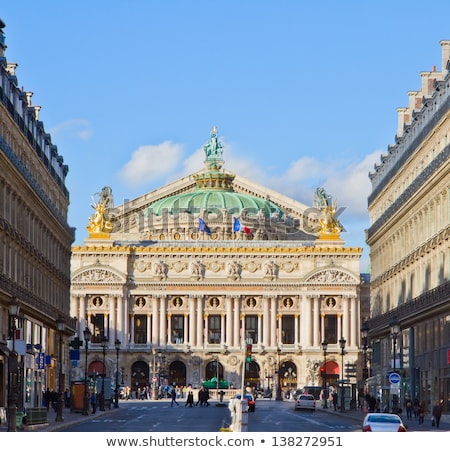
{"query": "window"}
{"type": "Point", "coordinates": [288, 329]}
{"type": "Point", "coordinates": [177, 329]}
{"type": "Point", "coordinates": [98, 330]}
{"type": "Point", "coordinates": [140, 329]}
{"type": "Point", "coordinates": [330, 324]}
{"type": "Point", "coordinates": [214, 330]}
{"type": "Point", "coordinates": [251, 328]}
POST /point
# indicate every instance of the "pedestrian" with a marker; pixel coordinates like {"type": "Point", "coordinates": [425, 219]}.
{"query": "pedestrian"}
{"type": "Point", "coordinates": [409, 409]}
{"type": "Point", "coordinates": [190, 399]}
{"type": "Point", "coordinates": [335, 400]}
{"type": "Point", "coordinates": [48, 398]}
{"type": "Point", "coordinates": [437, 413]}
{"type": "Point", "coordinates": [421, 413]}
{"type": "Point", "coordinates": [174, 397]}
{"type": "Point", "coordinates": [94, 403]}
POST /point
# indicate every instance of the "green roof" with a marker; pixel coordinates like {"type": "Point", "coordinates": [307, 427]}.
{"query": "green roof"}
{"type": "Point", "coordinates": [214, 201]}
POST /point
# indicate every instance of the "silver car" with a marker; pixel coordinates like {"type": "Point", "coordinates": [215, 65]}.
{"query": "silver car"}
{"type": "Point", "coordinates": [305, 402]}
{"type": "Point", "coordinates": [383, 422]}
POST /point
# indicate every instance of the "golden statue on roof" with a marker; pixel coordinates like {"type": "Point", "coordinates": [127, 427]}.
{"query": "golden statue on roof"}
{"type": "Point", "coordinates": [99, 222]}
{"type": "Point", "coordinates": [330, 226]}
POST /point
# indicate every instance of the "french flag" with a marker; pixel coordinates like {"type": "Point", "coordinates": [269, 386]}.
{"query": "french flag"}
{"type": "Point", "coordinates": [237, 227]}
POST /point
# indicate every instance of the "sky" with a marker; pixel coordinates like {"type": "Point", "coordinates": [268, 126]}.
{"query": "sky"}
{"type": "Point", "coordinates": [304, 94]}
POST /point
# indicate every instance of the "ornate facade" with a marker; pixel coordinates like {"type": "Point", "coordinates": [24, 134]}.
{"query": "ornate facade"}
{"type": "Point", "coordinates": [409, 246]}
{"type": "Point", "coordinates": [35, 246]}
{"type": "Point", "coordinates": [187, 275]}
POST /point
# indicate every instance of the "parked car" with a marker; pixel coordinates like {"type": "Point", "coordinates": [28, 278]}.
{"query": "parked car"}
{"type": "Point", "coordinates": [305, 402]}
{"type": "Point", "coordinates": [383, 422]}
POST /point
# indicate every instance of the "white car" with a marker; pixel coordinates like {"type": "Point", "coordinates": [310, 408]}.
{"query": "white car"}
{"type": "Point", "coordinates": [383, 422]}
{"type": "Point", "coordinates": [305, 402]}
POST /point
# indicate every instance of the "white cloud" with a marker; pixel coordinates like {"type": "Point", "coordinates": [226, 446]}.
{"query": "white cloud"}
{"type": "Point", "coordinates": [151, 162]}
{"type": "Point", "coordinates": [81, 128]}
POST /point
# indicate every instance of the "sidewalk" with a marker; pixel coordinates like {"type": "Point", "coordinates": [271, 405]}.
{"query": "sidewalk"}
{"type": "Point", "coordinates": [412, 424]}
{"type": "Point", "coordinates": [70, 418]}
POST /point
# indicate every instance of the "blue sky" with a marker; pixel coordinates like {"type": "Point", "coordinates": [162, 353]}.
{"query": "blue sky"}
{"type": "Point", "coordinates": [304, 94]}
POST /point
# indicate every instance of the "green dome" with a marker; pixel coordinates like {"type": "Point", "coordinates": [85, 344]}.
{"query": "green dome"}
{"type": "Point", "coordinates": [214, 201]}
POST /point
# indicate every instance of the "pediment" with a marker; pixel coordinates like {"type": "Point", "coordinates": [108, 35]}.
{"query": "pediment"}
{"type": "Point", "coordinates": [98, 275]}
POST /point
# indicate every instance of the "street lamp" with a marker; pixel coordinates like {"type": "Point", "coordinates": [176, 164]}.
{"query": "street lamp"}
{"type": "Point", "coordinates": [342, 342]}
{"type": "Point", "coordinates": [59, 408]}
{"type": "Point", "coordinates": [278, 395]}
{"type": "Point", "coordinates": [13, 369]}
{"type": "Point", "coordinates": [395, 331]}
{"type": "Point", "coordinates": [102, 394]}
{"type": "Point", "coordinates": [87, 338]}
{"type": "Point", "coordinates": [116, 392]}
{"type": "Point", "coordinates": [325, 392]}
{"type": "Point", "coordinates": [154, 379]}
{"type": "Point", "coordinates": [365, 344]}
{"type": "Point", "coordinates": [394, 326]}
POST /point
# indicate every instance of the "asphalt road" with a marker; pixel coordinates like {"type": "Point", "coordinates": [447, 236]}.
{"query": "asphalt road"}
{"type": "Point", "coordinates": [269, 416]}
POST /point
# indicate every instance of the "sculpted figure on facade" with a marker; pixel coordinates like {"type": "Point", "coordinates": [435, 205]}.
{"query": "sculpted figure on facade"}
{"type": "Point", "coordinates": [234, 269]}
{"type": "Point", "coordinates": [329, 223]}
{"type": "Point", "coordinates": [270, 269]}
{"type": "Point", "coordinates": [197, 269]}
{"type": "Point", "coordinates": [100, 222]}
{"type": "Point", "coordinates": [214, 148]}
{"type": "Point", "coordinates": [160, 269]}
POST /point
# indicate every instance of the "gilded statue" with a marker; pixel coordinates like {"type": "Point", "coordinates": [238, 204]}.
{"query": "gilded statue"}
{"type": "Point", "coordinates": [329, 223]}
{"type": "Point", "coordinates": [99, 222]}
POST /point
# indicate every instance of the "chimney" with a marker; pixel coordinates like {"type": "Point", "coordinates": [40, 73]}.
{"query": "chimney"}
{"type": "Point", "coordinates": [445, 45]}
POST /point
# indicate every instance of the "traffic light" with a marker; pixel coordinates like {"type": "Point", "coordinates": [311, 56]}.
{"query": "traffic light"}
{"type": "Point", "coordinates": [248, 355]}
{"type": "Point", "coordinates": [322, 372]}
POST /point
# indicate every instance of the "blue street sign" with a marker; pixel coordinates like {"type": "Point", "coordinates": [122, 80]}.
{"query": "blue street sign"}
{"type": "Point", "coordinates": [40, 361]}
{"type": "Point", "coordinates": [394, 378]}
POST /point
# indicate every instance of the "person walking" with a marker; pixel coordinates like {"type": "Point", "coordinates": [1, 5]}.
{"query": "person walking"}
{"type": "Point", "coordinates": [94, 403]}
{"type": "Point", "coordinates": [421, 413]}
{"type": "Point", "coordinates": [173, 396]}
{"type": "Point", "coordinates": [190, 399]}
{"type": "Point", "coordinates": [437, 413]}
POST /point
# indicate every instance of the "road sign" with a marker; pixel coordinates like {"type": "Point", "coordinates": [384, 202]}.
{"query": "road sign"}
{"type": "Point", "coordinates": [394, 378]}
{"type": "Point", "coordinates": [154, 379]}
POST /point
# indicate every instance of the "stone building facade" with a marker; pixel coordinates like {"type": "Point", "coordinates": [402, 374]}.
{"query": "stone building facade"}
{"type": "Point", "coordinates": [409, 248]}
{"type": "Point", "coordinates": [35, 247]}
{"type": "Point", "coordinates": [187, 276]}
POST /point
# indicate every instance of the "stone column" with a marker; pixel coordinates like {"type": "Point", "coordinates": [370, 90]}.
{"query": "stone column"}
{"type": "Point", "coordinates": [273, 323]}
{"type": "Point", "coordinates": [192, 324]}
{"type": "Point", "coordinates": [132, 328]}
{"type": "Point", "coordinates": [149, 328]}
{"type": "Point", "coordinates": [155, 322]}
{"type": "Point", "coordinates": [185, 328]}
{"type": "Point", "coordinates": [200, 322]}
{"type": "Point", "coordinates": [236, 323]}
{"type": "Point", "coordinates": [169, 328]}
{"type": "Point", "coordinates": [316, 320]}
{"type": "Point", "coordinates": [119, 323]}
{"type": "Point", "coordinates": [266, 321]}
{"type": "Point", "coordinates": [163, 321]}
{"type": "Point", "coordinates": [229, 323]}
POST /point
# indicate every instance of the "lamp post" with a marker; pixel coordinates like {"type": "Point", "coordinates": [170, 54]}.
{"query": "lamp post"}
{"type": "Point", "coordinates": [395, 331]}
{"type": "Point", "coordinates": [87, 338]}
{"type": "Point", "coordinates": [59, 408]}
{"type": "Point", "coordinates": [102, 394]}
{"type": "Point", "coordinates": [116, 392]}
{"type": "Point", "coordinates": [154, 379]}
{"type": "Point", "coordinates": [342, 343]}
{"type": "Point", "coordinates": [394, 326]}
{"type": "Point", "coordinates": [365, 344]}
{"type": "Point", "coordinates": [325, 391]}
{"type": "Point", "coordinates": [278, 395]}
{"type": "Point", "coordinates": [13, 369]}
